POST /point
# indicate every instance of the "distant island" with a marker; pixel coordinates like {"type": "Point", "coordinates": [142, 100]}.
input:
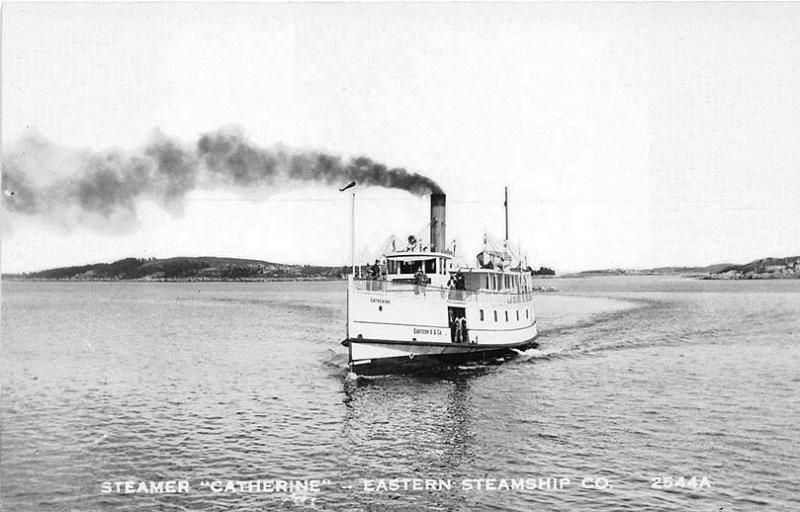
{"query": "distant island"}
{"type": "Point", "coordinates": [207, 268]}
{"type": "Point", "coordinates": [765, 268]}
{"type": "Point", "coordinates": [185, 269]}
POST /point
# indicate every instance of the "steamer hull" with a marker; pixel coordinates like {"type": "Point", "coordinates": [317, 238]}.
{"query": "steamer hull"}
{"type": "Point", "coordinates": [397, 327]}
{"type": "Point", "coordinates": [376, 357]}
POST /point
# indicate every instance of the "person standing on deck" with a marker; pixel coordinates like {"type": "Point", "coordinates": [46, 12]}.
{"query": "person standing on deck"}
{"type": "Point", "coordinates": [375, 271]}
{"type": "Point", "coordinates": [464, 332]}
{"type": "Point", "coordinates": [420, 279]}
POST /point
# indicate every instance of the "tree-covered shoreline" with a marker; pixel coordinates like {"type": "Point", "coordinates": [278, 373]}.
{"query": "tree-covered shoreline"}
{"type": "Point", "coordinates": [183, 269]}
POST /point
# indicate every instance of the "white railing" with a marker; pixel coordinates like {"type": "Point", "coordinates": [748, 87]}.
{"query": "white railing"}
{"type": "Point", "coordinates": [486, 296]}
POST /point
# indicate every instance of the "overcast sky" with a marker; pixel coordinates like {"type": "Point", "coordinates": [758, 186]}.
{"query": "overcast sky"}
{"type": "Point", "coordinates": [630, 135]}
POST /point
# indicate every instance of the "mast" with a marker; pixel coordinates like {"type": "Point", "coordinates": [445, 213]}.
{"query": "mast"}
{"type": "Point", "coordinates": [353, 233]}
{"type": "Point", "coordinates": [352, 226]}
{"type": "Point", "coordinates": [505, 206]}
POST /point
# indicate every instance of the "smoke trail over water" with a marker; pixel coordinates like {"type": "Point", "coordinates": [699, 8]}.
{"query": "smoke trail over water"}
{"type": "Point", "coordinates": [106, 186]}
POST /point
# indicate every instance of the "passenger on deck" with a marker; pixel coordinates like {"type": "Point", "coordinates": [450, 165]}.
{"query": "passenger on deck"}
{"type": "Point", "coordinates": [464, 332]}
{"type": "Point", "coordinates": [459, 331]}
{"type": "Point", "coordinates": [420, 280]}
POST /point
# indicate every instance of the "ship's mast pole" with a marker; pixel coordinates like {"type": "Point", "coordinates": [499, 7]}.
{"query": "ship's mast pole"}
{"type": "Point", "coordinates": [353, 232]}
{"type": "Point", "coordinates": [352, 226]}
{"type": "Point", "coordinates": [505, 206]}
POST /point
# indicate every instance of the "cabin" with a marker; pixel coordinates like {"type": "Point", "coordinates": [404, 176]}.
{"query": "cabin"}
{"type": "Point", "coordinates": [490, 280]}
{"type": "Point", "coordinates": [402, 267]}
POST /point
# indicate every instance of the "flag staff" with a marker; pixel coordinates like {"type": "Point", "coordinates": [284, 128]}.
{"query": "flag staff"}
{"type": "Point", "coordinates": [352, 184]}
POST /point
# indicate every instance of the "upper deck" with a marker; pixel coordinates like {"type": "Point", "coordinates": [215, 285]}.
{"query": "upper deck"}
{"type": "Point", "coordinates": [407, 271]}
{"type": "Point", "coordinates": [407, 266]}
{"type": "Point", "coordinates": [392, 288]}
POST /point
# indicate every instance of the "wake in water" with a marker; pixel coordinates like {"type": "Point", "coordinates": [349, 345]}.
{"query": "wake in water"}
{"type": "Point", "coordinates": [336, 361]}
{"type": "Point", "coordinates": [531, 353]}
{"type": "Point", "coordinates": [601, 331]}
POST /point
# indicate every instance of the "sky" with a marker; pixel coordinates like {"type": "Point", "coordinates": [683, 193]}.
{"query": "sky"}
{"type": "Point", "coordinates": [629, 135]}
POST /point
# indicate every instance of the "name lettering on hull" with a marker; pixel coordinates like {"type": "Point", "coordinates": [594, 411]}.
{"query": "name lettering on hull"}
{"type": "Point", "coordinates": [426, 330]}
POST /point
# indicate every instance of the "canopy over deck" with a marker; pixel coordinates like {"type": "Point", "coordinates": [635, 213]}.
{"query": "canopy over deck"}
{"type": "Point", "coordinates": [417, 255]}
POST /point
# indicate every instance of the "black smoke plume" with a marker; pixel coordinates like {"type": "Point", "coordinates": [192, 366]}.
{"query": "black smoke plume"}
{"type": "Point", "coordinates": [107, 185]}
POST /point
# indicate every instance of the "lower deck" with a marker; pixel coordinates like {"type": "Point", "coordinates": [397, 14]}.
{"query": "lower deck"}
{"type": "Point", "coordinates": [438, 315]}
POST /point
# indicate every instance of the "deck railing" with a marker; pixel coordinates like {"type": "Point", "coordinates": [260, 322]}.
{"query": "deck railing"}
{"type": "Point", "coordinates": [500, 296]}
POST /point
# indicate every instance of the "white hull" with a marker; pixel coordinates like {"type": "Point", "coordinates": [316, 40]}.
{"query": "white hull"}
{"type": "Point", "coordinates": [393, 323]}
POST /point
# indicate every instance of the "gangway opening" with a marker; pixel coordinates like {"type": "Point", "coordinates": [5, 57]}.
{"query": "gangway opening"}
{"type": "Point", "coordinates": [457, 318]}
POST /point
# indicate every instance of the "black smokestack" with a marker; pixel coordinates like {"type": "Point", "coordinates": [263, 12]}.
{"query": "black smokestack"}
{"type": "Point", "coordinates": [107, 185]}
{"type": "Point", "coordinates": [438, 240]}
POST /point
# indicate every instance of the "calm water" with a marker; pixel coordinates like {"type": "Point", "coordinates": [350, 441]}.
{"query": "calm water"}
{"type": "Point", "coordinates": [636, 378]}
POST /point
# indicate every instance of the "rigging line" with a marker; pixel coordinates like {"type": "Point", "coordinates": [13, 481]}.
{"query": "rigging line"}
{"type": "Point", "coordinates": [456, 201]}
{"type": "Point", "coordinates": [720, 204]}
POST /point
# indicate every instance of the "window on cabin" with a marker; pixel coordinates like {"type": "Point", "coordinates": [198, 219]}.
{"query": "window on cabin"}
{"type": "Point", "coordinates": [526, 313]}
{"type": "Point", "coordinates": [411, 267]}
{"type": "Point", "coordinates": [506, 315]}
{"type": "Point", "coordinates": [481, 315]}
{"type": "Point", "coordinates": [517, 315]}
{"type": "Point", "coordinates": [495, 315]}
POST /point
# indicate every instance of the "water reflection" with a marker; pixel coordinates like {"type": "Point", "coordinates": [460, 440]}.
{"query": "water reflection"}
{"type": "Point", "coordinates": [419, 426]}
{"type": "Point", "coordinates": [459, 427]}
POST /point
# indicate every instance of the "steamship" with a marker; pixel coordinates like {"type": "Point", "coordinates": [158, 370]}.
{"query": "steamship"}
{"type": "Point", "coordinates": [418, 308]}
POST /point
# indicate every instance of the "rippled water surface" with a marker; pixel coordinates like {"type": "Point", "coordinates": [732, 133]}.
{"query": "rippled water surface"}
{"type": "Point", "coordinates": [636, 378]}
